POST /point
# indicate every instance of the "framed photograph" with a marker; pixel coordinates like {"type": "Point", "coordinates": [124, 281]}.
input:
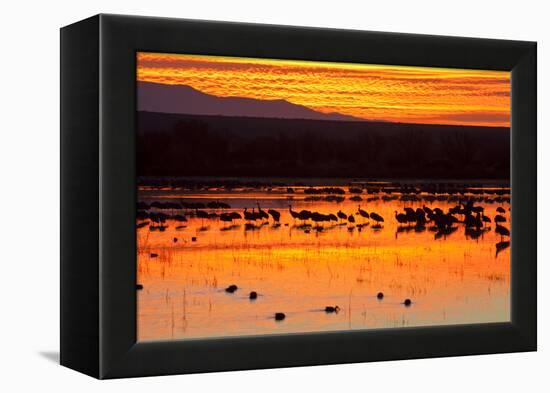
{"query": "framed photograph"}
{"type": "Point", "coordinates": [239, 196]}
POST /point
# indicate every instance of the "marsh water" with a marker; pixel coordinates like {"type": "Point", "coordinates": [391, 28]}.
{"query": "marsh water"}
{"type": "Point", "coordinates": [298, 269]}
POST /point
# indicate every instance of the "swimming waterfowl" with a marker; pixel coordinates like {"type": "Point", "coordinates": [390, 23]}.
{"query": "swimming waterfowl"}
{"type": "Point", "coordinates": [279, 316]}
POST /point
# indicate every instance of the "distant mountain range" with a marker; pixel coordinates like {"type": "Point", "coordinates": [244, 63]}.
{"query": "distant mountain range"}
{"type": "Point", "coordinates": [182, 99]}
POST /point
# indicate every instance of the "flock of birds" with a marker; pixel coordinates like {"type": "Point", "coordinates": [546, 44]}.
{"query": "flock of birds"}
{"type": "Point", "coordinates": [473, 217]}
{"type": "Point", "coordinates": [254, 219]}
{"type": "Point", "coordinates": [465, 213]}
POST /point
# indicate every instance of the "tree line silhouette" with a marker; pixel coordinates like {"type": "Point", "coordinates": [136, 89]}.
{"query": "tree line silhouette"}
{"type": "Point", "coordinates": [185, 145]}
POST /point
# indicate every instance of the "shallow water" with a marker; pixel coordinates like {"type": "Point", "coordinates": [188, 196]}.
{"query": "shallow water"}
{"type": "Point", "coordinates": [450, 280]}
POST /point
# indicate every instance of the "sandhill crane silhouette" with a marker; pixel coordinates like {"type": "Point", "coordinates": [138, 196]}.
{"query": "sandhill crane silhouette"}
{"type": "Point", "coordinates": [401, 218]}
{"type": "Point", "coordinates": [420, 219]}
{"type": "Point", "coordinates": [362, 212]}
{"type": "Point", "coordinates": [478, 221]}
{"type": "Point", "coordinates": [427, 210]}
{"type": "Point", "coordinates": [235, 215]}
{"type": "Point", "coordinates": [159, 219]}
{"type": "Point", "coordinates": [378, 218]}
{"type": "Point", "coordinates": [295, 215]}
{"type": "Point", "coordinates": [226, 217]}
{"type": "Point", "coordinates": [317, 218]}
{"type": "Point", "coordinates": [305, 215]}
{"type": "Point", "coordinates": [142, 224]}
{"type": "Point", "coordinates": [502, 231]}
{"type": "Point", "coordinates": [341, 215]}
{"type": "Point", "coordinates": [470, 221]}
{"type": "Point", "coordinates": [501, 210]}
{"type": "Point", "coordinates": [223, 205]}
{"type": "Point", "coordinates": [499, 218]}
{"type": "Point", "coordinates": [262, 214]}
{"type": "Point", "coordinates": [474, 233]}
{"type": "Point", "coordinates": [275, 214]}
{"type": "Point", "coordinates": [202, 215]}
{"type": "Point", "coordinates": [218, 205]}
{"type": "Point", "coordinates": [179, 218]}
{"type": "Point", "coordinates": [247, 215]}
{"type": "Point", "coordinates": [502, 245]}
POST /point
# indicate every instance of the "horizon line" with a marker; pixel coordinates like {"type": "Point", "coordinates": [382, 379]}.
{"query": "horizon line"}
{"type": "Point", "coordinates": [387, 122]}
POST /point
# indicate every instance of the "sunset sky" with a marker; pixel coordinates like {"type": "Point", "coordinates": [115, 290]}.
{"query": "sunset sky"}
{"type": "Point", "coordinates": [372, 92]}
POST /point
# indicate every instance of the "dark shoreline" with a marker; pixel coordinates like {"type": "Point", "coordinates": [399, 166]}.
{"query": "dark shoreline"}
{"type": "Point", "coordinates": [312, 181]}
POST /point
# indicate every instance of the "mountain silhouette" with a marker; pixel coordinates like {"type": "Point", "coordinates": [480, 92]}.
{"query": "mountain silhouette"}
{"type": "Point", "coordinates": [183, 99]}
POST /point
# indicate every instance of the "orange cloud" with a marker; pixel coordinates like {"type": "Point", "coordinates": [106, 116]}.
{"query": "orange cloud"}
{"type": "Point", "coordinates": [374, 92]}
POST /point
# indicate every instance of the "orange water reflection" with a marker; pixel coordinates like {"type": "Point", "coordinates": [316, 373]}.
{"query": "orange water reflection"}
{"type": "Point", "coordinates": [451, 280]}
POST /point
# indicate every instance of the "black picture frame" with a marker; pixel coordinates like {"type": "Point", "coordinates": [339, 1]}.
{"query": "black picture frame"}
{"type": "Point", "coordinates": [98, 196]}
